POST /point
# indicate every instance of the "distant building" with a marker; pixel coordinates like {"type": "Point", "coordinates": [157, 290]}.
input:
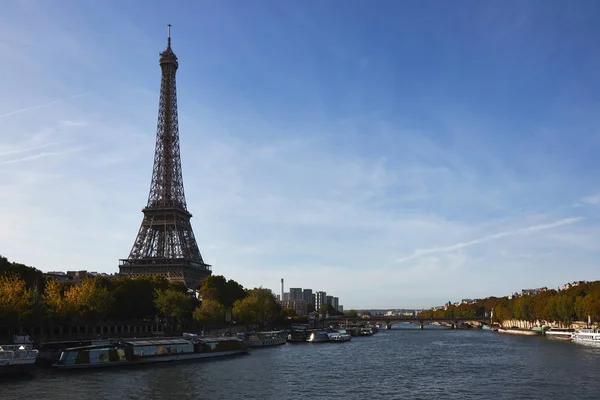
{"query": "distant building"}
{"type": "Point", "coordinates": [340, 308]}
{"type": "Point", "coordinates": [329, 300]}
{"type": "Point", "coordinates": [75, 276]}
{"type": "Point", "coordinates": [295, 293]}
{"type": "Point", "coordinates": [573, 284]}
{"type": "Point", "coordinates": [58, 276]}
{"type": "Point", "coordinates": [299, 306]}
{"type": "Point", "coordinates": [335, 303]}
{"type": "Point", "coordinates": [307, 296]}
{"type": "Point", "coordinates": [533, 292]}
{"type": "Point", "coordinates": [320, 299]}
{"type": "Point", "coordinates": [286, 296]}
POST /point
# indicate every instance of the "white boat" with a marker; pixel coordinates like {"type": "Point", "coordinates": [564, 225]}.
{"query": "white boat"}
{"type": "Point", "coordinates": [591, 336]}
{"type": "Point", "coordinates": [339, 336]}
{"type": "Point", "coordinates": [560, 333]}
{"type": "Point", "coordinates": [17, 359]}
{"type": "Point", "coordinates": [264, 339]}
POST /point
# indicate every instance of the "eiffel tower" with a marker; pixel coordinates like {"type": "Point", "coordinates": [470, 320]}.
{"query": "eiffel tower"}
{"type": "Point", "coordinates": [165, 244]}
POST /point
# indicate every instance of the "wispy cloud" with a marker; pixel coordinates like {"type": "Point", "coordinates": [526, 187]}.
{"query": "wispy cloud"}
{"type": "Point", "coordinates": [27, 149]}
{"type": "Point", "coordinates": [73, 123]}
{"type": "Point", "coordinates": [593, 200]}
{"type": "Point", "coordinates": [22, 110]}
{"type": "Point", "coordinates": [523, 231]}
{"type": "Point", "coordinates": [44, 154]}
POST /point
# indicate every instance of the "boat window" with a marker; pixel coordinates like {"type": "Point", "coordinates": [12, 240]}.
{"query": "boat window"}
{"type": "Point", "coordinates": [68, 357]}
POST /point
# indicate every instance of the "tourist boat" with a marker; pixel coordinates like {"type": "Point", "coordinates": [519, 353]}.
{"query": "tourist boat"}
{"type": "Point", "coordinates": [591, 336]}
{"type": "Point", "coordinates": [145, 351]}
{"type": "Point", "coordinates": [17, 359]}
{"type": "Point", "coordinates": [318, 337]}
{"type": "Point", "coordinates": [560, 333]}
{"type": "Point", "coordinates": [339, 336]}
{"type": "Point", "coordinates": [264, 339]}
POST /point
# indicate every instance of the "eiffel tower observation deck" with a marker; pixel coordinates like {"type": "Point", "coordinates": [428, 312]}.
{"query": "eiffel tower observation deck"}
{"type": "Point", "coordinates": [165, 244]}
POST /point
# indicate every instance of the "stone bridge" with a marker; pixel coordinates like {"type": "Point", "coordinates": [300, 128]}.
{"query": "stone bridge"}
{"type": "Point", "coordinates": [417, 320]}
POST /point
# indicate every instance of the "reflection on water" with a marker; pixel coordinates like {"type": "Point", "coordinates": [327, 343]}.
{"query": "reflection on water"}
{"type": "Point", "coordinates": [402, 363]}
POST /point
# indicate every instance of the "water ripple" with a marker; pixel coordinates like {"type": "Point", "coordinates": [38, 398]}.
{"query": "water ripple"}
{"type": "Point", "coordinates": [393, 364]}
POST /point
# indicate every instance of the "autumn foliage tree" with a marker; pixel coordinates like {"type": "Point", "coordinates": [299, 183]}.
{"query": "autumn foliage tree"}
{"type": "Point", "coordinates": [87, 300]}
{"type": "Point", "coordinates": [16, 299]}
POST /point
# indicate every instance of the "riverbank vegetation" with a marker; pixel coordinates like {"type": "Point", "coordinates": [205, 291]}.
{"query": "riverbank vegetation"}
{"type": "Point", "coordinates": [561, 306]}
{"type": "Point", "coordinates": [28, 298]}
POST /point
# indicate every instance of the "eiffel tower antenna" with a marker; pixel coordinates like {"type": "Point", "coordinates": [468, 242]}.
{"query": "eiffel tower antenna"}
{"type": "Point", "coordinates": [165, 244]}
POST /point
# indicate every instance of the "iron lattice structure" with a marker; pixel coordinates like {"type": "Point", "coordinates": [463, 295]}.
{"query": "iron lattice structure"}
{"type": "Point", "coordinates": [165, 244]}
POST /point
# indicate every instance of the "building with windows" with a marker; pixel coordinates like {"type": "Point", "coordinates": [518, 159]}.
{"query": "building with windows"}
{"type": "Point", "coordinates": [295, 293]}
{"type": "Point", "coordinates": [320, 299]}
{"type": "Point", "coordinates": [299, 306]}
{"type": "Point", "coordinates": [335, 303]}
{"type": "Point", "coordinates": [329, 300]}
{"type": "Point", "coordinates": [307, 296]}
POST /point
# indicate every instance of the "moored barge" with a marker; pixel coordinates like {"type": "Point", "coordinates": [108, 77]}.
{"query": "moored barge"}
{"type": "Point", "coordinates": [151, 350]}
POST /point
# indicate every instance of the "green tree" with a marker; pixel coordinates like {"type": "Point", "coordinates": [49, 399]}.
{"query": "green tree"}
{"type": "Point", "coordinates": [503, 310]}
{"type": "Point", "coordinates": [288, 312]}
{"type": "Point", "coordinates": [351, 314]}
{"type": "Point", "coordinates": [235, 292]}
{"type": "Point", "coordinates": [521, 308]}
{"type": "Point", "coordinates": [172, 303]}
{"type": "Point", "coordinates": [210, 313]}
{"type": "Point", "coordinates": [134, 298]}
{"type": "Point", "coordinates": [260, 307]}
{"type": "Point", "coordinates": [217, 288]}
{"type": "Point", "coordinates": [564, 308]}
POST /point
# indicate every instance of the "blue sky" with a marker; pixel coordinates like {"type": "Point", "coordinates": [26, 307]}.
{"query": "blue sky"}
{"type": "Point", "coordinates": [395, 154]}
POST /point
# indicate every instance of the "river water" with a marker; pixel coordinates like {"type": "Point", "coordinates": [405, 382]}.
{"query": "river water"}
{"type": "Point", "coordinates": [394, 364]}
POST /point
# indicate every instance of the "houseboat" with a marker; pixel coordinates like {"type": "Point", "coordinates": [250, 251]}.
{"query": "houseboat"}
{"type": "Point", "coordinates": [263, 339]}
{"type": "Point", "coordinates": [145, 351]}
{"type": "Point", "coordinates": [17, 359]}
{"type": "Point", "coordinates": [49, 352]}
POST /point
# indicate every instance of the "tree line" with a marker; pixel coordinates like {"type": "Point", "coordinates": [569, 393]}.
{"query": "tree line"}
{"type": "Point", "coordinates": [27, 297]}
{"type": "Point", "coordinates": [562, 306]}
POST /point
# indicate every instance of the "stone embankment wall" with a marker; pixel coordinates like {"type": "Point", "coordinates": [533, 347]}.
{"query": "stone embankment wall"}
{"type": "Point", "coordinates": [509, 323]}
{"type": "Point", "coordinates": [530, 324]}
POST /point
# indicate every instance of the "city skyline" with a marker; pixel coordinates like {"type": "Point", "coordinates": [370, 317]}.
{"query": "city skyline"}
{"type": "Point", "coordinates": [403, 154]}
